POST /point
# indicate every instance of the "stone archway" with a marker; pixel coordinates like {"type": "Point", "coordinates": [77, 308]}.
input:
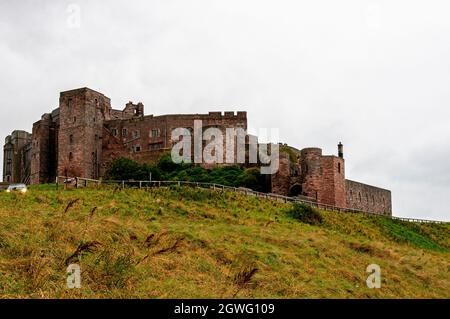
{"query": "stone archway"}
{"type": "Point", "coordinates": [296, 190]}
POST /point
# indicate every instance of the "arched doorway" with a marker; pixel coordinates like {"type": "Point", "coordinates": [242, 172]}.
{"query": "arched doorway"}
{"type": "Point", "coordinates": [295, 190]}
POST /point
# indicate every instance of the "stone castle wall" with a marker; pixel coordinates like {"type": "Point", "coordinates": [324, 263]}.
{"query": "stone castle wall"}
{"type": "Point", "coordinates": [321, 178]}
{"type": "Point", "coordinates": [17, 157]}
{"type": "Point", "coordinates": [84, 134]}
{"type": "Point", "coordinates": [45, 148]}
{"type": "Point", "coordinates": [368, 198]}
{"type": "Point", "coordinates": [82, 115]}
{"type": "Point", "coordinates": [146, 138]}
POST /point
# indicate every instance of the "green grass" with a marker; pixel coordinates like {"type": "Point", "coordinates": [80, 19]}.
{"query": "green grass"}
{"type": "Point", "coordinates": [305, 214]}
{"type": "Point", "coordinates": [408, 233]}
{"type": "Point", "coordinates": [185, 243]}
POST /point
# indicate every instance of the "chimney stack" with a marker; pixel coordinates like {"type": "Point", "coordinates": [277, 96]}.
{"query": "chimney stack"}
{"type": "Point", "coordinates": [340, 150]}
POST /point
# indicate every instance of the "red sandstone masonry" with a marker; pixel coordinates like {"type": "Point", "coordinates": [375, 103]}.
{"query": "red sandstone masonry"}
{"type": "Point", "coordinates": [151, 135]}
{"type": "Point", "coordinates": [85, 134]}
{"type": "Point", "coordinates": [368, 198]}
{"type": "Point", "coordinates": [322, 178]}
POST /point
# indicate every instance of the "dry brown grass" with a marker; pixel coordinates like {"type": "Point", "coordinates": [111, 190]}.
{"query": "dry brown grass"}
{"type": "Point", "coordinates": [171, 243]}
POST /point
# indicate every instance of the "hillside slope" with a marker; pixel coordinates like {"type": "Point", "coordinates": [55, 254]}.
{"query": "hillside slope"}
{"type": "Point", "coordinates": [186, 243]}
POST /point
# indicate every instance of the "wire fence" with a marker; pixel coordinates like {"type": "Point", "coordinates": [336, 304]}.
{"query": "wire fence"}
{"type": "Point", "coordinates": [78, 182]}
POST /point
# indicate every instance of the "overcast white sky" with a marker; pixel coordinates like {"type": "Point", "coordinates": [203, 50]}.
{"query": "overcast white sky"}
{"type": "Point", "coordinates": [372, 74]}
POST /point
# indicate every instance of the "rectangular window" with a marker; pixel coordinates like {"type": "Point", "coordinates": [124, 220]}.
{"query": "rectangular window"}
{"type": "Point", "coordinates": [136, 134]}
{"type": "Point", "coordinates": [155, 146]}
{"type": "Point", "coordinates": [114, 132]}
{"type": "Point", "coordinates": [155, 133]}
{"type": "Point", "coordinates": [137, 148]}
{"type": "Point", "coordinates": [124, 132]}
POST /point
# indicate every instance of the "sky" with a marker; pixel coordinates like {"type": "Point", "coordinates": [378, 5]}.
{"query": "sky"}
{"type": "Point", "coordinates": [374, 75]}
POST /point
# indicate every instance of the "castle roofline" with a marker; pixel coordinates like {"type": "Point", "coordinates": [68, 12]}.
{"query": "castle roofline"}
{"type": "Point", "coordinates": [380, 188]}
{"type": "Point", "coordinates": [82, 89]}
{"type": "Point", "coordinates": [335, 156]}
{"type": "Point", "coordinates": [225, 115]}
{"type": "Point", "coordinates": [216, 114]}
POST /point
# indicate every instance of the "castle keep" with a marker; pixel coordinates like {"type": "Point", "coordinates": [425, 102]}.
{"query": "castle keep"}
{"type": "Point", "coordinates": [84, 134]}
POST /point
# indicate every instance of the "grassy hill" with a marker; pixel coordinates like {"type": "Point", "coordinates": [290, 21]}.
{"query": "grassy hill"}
{"type": "Point", "coordinates": [186, 243]}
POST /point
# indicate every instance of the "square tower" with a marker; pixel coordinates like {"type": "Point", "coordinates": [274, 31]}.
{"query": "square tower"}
{"type": "Point", "coordinates": [82, 113]}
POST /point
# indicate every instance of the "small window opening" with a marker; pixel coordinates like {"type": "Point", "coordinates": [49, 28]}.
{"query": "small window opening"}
{"type": "Point", "coordinates": [69, 104]}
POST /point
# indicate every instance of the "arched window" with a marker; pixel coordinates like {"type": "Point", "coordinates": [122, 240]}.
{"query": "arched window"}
{"type": "Point", "coordinates": [70, 156]}
{"type": "Point", "coordinates": [339, 168]}
{"type": "Point", "coordinates": [71, 139]}
{"type": "Point", "coordinates": [359, 197]}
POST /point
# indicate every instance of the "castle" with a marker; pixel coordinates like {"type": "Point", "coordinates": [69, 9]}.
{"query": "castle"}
{"type": "Point", "coordinates": [84, 134]}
